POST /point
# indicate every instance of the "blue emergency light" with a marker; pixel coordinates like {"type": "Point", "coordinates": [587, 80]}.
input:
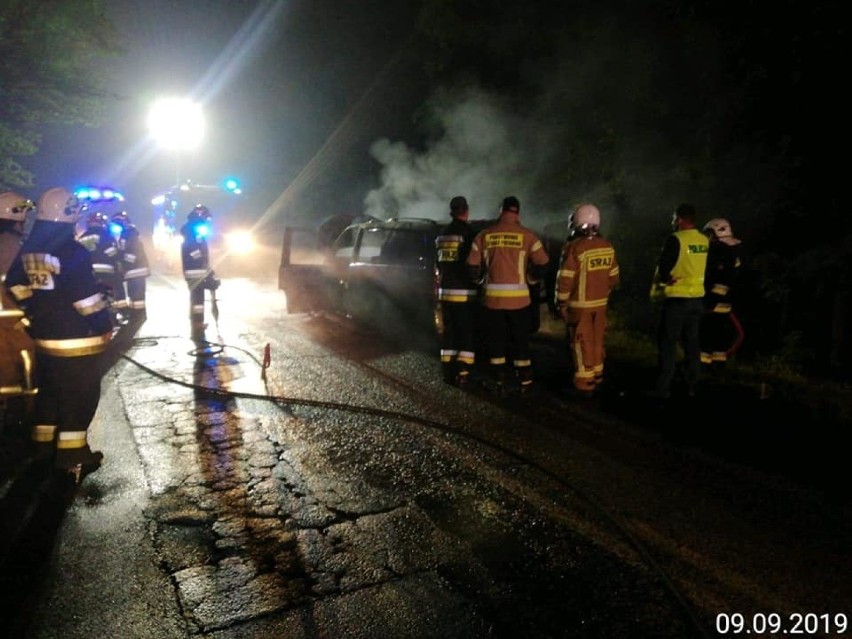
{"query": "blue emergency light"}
{"type": "Point", "coordinates": [232, 185]}
{"type": "Point", "coordinates": [202, 230]}
{"type": "Point", "coordinates": [98, 194]}
{"type": "Point", "coordinates": [115, 228]}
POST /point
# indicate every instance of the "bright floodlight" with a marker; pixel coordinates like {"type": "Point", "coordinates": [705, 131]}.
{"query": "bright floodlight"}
{"type": "Point", "coordinates": [176, 123]}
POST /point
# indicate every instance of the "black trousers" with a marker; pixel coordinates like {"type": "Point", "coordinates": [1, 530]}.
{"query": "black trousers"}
{"type": "Point", "coordinates": [69, 390]}
{"type": "Point", "coordinates": [508, 336]}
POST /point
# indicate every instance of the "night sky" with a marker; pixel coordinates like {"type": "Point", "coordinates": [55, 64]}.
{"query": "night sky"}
{"type": "Point", "coordinates": [318, 107]}
{"type": "Point", "coordinates": [293, 92]}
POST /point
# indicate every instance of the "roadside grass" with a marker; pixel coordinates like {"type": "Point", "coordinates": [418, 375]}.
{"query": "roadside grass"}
{"type": "Point", "coordinates": [780, 375]}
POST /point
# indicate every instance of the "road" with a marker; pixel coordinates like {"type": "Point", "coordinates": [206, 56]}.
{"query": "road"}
{"type": "Point", "coordinates": [345, 491]}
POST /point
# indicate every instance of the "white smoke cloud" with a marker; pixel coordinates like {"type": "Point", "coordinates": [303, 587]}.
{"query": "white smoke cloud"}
{"type": "Point", "coordinates": [482, 152]}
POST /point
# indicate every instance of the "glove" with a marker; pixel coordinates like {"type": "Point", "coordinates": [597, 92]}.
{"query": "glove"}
{"type": "Point", "coordinates": [211, 282]}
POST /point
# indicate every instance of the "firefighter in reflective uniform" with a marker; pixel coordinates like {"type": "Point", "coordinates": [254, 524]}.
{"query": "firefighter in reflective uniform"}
{"type": "Point", "coordinates": [105, 260]}
{"type": "Point", "coordinates": [52, 280]}
{"type": "Point", "coordinates": [587, 273]}
{"type": "Point", "coordinates": [195, 260]}
{"type": "Point", "coordinates": [16, 346]}
{"type": "Point", "coordinates": [504, 258]}
{"type": "Point", "coordinates": [134, 264]}
{"type": "Point", "coordinates": [721, 331]}
{"type": "Point", "coordinates": [13, 214]}
{"type": "Point", "coordinates": [457, 295]}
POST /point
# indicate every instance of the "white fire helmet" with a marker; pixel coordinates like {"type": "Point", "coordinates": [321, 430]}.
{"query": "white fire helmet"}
{"type": "Point", "coordinates": [59, 205]}
{"type": "Point", "coordinates": [586, 217]}
{"type": "Point", "coordinates": [720, 227]}
{"type": "Point", "coordinates": [14, 206]}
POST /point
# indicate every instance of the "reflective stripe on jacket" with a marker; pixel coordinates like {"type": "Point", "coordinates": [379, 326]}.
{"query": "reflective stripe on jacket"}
{"type": "Point", "coordinates": [451, 250]}
{"type": "Point", "coordinates": [505, 251]}
{"type": "Point", "coordinates": [587, 273]}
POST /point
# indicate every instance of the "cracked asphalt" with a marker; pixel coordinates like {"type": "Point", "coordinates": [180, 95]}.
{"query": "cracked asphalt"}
{"type": "Point", "coordinates": [229, 515]}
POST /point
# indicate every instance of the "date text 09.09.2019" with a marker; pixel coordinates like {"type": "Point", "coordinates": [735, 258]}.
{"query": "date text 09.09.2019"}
{"type": "Point", "coordinates": [773, 623]}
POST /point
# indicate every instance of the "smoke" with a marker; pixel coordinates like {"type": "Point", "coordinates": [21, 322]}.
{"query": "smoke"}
{"type": "Point", "coordinates": [482, 151]}
{"type": "Point", "coordinates": [595, 123]}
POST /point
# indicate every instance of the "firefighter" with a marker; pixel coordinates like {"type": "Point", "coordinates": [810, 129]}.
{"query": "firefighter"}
{"type": "Point", "coordinates": [679, 284]}
{"type": "Point", "coordinates": [13, 215]}
{"type": "Point", "coordinates": [195, 260]}
{"type": "Point", "coordinates": [721, 332]}
{"type": "Point", "coordinates": [504, 258]}
{"type": "Point", "coordinates": [52, 280]}
{"type": "Point", "coordinates": [134, 264]}
{"type": "Point", "coordinates": [587, 273]}
{"type": "Point", "coordinates": [105, 261]}
{"type": "Point", "coordinates": [16, 346]}
{"type": "Point", "coordinates": [457, 295]}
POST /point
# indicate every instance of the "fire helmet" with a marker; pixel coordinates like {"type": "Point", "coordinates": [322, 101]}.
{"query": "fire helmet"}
{"type": "Point", "coordinates": [122, 218]}
{"type": "Point", "coordinates": [199, 213]}
{"type": "Point", "coordinates": [720, 227]}
{"type": "Point", "coordinates": [14, 206]}
{"type": "Point", "coordinates": [586, 219]}
{"type": "Point", "coordinates": [58, 205]}
{"type": "Point", "coordinates": [98, 219]}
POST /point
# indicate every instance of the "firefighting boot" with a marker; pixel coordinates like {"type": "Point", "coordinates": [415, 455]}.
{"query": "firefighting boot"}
{"type": "Point", "coordinates": [43, 443]}
{"type": "Point", "coordinates": [448, 372]}
{"type": "Point", "coordinates": [463, 376]}
{"type": "Point", "coordinates": [78, 462]}
{"type": "Point", "coordinates": [525, 379]}
{"type": "Point", "coordinates": [499, 380]}
{"type": "Point", "coordinates": [137, 318]}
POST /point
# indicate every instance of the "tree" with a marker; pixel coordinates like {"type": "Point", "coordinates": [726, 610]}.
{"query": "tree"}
{"type": "Point", "coordinates": [52, 57]}
{"type": "Point", "coordinates": [642, 104]}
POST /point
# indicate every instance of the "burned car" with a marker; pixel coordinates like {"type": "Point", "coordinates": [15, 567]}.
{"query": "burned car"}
{"type": "Point", "coordinates": [375, 271]}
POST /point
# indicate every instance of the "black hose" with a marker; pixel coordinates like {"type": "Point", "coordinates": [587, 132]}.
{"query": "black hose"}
{"type": "Point", "coordinates": [444, 428]}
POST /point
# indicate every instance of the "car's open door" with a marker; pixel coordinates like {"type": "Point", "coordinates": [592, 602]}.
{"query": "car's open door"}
{"type": "Point", "coordinates": [303, 271]}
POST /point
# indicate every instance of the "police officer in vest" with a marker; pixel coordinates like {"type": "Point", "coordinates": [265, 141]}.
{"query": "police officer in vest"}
{"type": "Point", "coordinates": [679, 285]}
{"type": "Point", "coordinates": [53, 281]}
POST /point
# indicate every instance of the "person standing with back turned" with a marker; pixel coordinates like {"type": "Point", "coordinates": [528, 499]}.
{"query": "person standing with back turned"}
{"type": "Point", "coordinates": [195, 261]}
{"type": "Point", "coordinates": [457, 295]}
{"type": "Point", "coordinates": [505, 256]}
{"type": "Point", "coordinates": [588, 271]}
{"type": "Point", "coordinates": [53, 281]}
{"type": "Point", "coordinates": [721, 331]}
{"type": "Point", "coordinates": [679, 284]}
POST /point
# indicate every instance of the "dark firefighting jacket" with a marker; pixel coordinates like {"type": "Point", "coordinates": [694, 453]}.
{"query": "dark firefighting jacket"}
{"type": "Point", "coordinates": [452, 248]}
{"type": "Point", "coordinates": [195, 254]}
{"type": "Point", "coordinates": [505, 252]}
{"type": "Point", "coordinates": [134, 261]}
{"type": "Point", "coordinates": [104, 252]}
{"type": "Point", "coordinates": [52, 280]}
{"type": "Point", "coordinates": [723, 266]}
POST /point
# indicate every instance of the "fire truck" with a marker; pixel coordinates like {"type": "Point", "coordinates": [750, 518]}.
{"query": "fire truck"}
{"type": "Point", "coordinates": [231, 231]}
